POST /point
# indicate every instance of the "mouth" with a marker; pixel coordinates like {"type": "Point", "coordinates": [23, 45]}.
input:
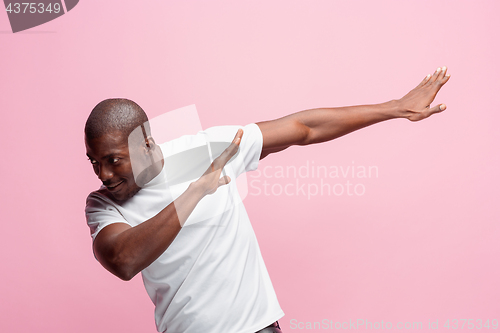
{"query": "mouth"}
{"type": "Point", "coordinates": [113, 188]}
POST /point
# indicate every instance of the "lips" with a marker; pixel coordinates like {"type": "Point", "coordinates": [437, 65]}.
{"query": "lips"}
{"type": "Point", "coordinates": [114, 187]}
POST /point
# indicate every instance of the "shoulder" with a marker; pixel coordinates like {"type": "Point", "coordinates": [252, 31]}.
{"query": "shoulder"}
{"type": "Point", "coordinates": [221, 132]}
{"type": "Point", "coordinates": [218, 137]}
{"type": "Point", "coordinates": [227, 133]}
{"type": "Point", "coordinates": [100, 199]}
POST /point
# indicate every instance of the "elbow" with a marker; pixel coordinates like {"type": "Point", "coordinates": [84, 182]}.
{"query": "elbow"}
{"type": "Point", "coordinates": [124, 270]}
{"type": "Point", "coordinates": [120, 266]}
{"type": "Point", "coordinates": [117, 259]}
{"type": "Point", "coordinates": [304, 133]}
{"type": "Point", "coordinates": [115, 256]}
{"type": "Point", "coordinates": [125, 276]}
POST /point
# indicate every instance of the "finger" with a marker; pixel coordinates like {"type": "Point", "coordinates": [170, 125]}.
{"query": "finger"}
{"type": "Point", "coordinates": [233, 147]}
{"type": "Point", "coordinates": [226, 155]}
{"type": "Point", "coordinates": [443, 72]}
{"type": "Point", "coordinates": [238, 136]}
{"type": "Point", "coordinates": [229, 152]}
{"type": "Point", "coordinates": [444, 79]}
{"type": "Point", "coordinates": [424, 81]}
{"type": "Point", "coordinates": [434, 76]}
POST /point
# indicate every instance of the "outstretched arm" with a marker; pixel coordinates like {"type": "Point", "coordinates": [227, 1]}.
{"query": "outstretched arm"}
{"type": "Point", "coordinates": [324, 124]}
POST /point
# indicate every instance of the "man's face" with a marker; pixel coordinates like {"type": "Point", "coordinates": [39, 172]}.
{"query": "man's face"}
{"type": "Point", "coordinates": [110, 158]}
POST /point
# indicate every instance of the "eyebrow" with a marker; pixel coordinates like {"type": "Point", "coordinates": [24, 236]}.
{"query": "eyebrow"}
{"type": "Point", "coordinates": [105, 157]}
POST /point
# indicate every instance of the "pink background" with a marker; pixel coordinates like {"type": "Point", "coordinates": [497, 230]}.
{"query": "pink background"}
{"type": "Point", "coordinates": [422, 242]}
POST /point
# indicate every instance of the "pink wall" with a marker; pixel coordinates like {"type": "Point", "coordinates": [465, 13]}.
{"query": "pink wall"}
{"type": "Point", "coordinates": [420, 244]}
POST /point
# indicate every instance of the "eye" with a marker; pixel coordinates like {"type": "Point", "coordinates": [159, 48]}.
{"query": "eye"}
{"type": "Point", "coordinates": [115, 160]}
{"type": "Point", "coordinates": [94, 162]}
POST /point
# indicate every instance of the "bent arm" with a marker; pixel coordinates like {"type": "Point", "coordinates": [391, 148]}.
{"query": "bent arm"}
{"type": "Point", "coordinates": [325, 124]}
{"type": "Point", "coordinates": [125, 251]}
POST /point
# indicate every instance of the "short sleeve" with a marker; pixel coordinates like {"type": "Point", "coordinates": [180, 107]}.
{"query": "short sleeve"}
{"type": "Point", "coordinates": [248, 156]}
{"type": "Point", "coordinates": [101, 212]}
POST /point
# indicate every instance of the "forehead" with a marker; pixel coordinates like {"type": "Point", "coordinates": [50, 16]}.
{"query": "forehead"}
{"type": "Point", "coordinates": [107, 144]}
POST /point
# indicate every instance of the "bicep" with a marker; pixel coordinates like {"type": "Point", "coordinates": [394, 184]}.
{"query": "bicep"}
{"type": "Point", "coordinates": [282, 133]}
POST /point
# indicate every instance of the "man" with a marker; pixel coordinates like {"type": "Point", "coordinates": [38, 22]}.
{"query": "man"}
{"type": "Point", "coordinates": [165, 211]}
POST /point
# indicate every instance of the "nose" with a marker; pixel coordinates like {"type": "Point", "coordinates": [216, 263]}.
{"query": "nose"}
{"type": "Point", "coordinates": [104, 174]}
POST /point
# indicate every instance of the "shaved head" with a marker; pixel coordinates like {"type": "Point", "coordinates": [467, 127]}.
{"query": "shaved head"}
{"type": "Point", "coordinates": [112, 115]}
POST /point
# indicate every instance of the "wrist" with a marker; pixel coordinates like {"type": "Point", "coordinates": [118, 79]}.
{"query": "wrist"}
{"type": "Point", "coordinates": [395, 109]}
{"type": "Point", "coordinates": [400, 110]}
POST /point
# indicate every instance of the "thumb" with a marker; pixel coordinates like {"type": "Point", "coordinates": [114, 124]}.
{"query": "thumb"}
{"type": "Point", "coordinates": [224, 180]}
{"type": "Point", "coordinates": [437, 108]}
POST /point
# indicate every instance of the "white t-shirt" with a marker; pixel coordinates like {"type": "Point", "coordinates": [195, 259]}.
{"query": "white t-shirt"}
{"type": "Point", "coordinates": [212, 278]}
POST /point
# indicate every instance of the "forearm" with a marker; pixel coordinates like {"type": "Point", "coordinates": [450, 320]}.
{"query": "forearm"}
{"type": "Point", "coordinates": [326, 124]}
{"type": "Point", "coordinates": [136, 248]}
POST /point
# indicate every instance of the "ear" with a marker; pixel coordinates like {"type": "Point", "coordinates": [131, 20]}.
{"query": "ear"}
{"type": "Point", "coordinates": [149, 144]}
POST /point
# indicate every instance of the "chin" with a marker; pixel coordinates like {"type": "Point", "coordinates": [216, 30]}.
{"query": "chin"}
{"type": "Point", "coordinates": [118, 197]}
{"type": "Point", "coordinates": [125, 196]}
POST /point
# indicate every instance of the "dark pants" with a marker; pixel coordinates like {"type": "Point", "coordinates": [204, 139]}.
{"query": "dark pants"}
{"type": "Point", "coordinates": [273, 328]}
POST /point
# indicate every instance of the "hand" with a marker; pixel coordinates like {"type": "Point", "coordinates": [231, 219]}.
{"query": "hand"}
{"type": "Point", "coordinates": [416, 105]}
{"type": "Point", "coordinates": [211, 179]}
